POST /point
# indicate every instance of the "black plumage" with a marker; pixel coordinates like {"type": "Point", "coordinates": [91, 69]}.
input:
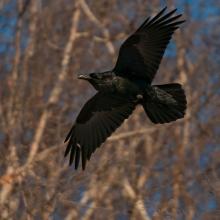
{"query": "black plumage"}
{"type": "Point", "coordinates": [127, 85]}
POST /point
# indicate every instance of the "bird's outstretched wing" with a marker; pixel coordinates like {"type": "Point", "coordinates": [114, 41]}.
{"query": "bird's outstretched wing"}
{"type": "Point", "coordinates": [98, 119]}
{"type": "Point", "coordinates": [143, 51]}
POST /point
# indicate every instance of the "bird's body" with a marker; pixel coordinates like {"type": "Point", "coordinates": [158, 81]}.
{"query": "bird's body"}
{"type": "Point", "coordinates": [121, 85]}
{"type": "Point", "coordinates": [127, 85]}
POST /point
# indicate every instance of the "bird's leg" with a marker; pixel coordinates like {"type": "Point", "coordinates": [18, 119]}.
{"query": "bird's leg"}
{"type": "Point", "coordinates": [139, 97]}
{"type": "Point", "coordinates": [143, 98]}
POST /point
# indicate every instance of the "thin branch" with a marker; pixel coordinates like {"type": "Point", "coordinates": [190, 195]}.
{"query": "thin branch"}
{"type": "Point", "coordinates": [105, 31]}
{"type": "Point", "coordinates": [58, 86]}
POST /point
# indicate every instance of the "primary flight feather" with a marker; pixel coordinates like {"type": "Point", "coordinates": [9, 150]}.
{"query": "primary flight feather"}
{"type": "Point", "coordinates": [127, 85]}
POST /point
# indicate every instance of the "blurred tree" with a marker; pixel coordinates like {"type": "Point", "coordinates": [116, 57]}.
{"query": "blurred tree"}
{"type": "Point", "coordinates": [144, 171]}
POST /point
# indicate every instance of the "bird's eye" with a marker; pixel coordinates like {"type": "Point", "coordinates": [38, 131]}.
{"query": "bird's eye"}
{"type": "Point", "coordinates": [93, 75]}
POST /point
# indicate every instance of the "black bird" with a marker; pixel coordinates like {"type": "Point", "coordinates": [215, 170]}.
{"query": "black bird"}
{"type": "Point", "coordinates": [127, 85]}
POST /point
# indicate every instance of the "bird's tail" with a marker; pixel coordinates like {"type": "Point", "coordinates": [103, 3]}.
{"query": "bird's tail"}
{"type": "Point", "coordinates": [168, 104]}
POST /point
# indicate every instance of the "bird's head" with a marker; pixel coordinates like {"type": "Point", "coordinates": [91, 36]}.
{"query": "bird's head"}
{"type": "Point", "coordinates": [91, 77]}
{"type": "Point", "coordinates": [98, 80]}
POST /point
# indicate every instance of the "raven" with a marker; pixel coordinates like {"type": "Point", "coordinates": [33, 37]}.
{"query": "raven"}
{"type": "Point", "coordinates": [127, 85]}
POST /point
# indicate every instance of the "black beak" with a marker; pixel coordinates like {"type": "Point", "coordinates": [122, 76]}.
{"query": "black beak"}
{"type": "Point", "coordinates": [85, 76]}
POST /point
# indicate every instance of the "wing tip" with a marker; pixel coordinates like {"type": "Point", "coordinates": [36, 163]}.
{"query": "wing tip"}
{"type": "Point", "coordinates": [70, 133]}
{"type": "Point", "coordinates": [70, 162]}
{"type": "Point", "coordinates": [76, 166]}
{"type": "Point", "coordinates": [163, 10]}
{"type": "Point", "coordinates": [66, 139]}
{"type": "Point", "coordinates": [65, 154]}
{"type": "Point", "coordinates": [179, 22]}
{"type": "Point", "coordinates": [83, 167]}
{"type": "Point", "coordinates": [174, 10]}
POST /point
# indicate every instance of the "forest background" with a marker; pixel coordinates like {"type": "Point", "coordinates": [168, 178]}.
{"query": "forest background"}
{"type": "Point", "coordinates": [143, 171]}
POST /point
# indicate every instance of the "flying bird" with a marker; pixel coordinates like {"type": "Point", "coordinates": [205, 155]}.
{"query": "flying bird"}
{"type": "Point", "coordinates": [126, 86]}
